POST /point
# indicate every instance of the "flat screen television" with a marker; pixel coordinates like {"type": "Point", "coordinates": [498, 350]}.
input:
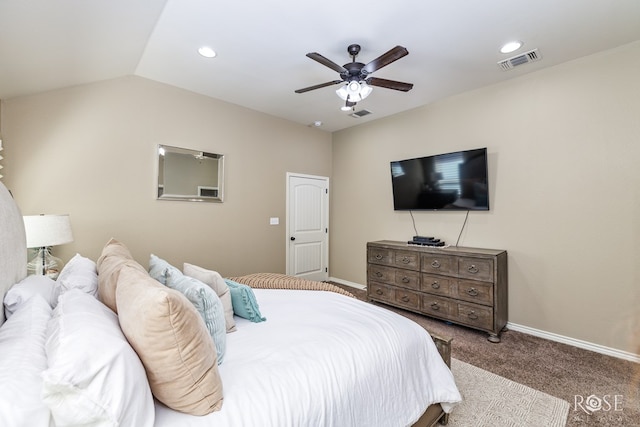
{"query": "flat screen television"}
{"type": "Point", "coordinates": [451, 181]}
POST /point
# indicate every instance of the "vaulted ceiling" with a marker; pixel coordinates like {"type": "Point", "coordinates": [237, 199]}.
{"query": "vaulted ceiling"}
{"type": "Point", "coordinates": [261, 46]}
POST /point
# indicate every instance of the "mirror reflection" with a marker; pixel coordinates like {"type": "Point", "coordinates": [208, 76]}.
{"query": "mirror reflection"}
{"type": "Point", "coordinates": [190, 175]}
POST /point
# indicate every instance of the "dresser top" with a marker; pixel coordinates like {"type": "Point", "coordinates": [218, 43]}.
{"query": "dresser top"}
{"type": "Point", "coordinates": [459, 250]}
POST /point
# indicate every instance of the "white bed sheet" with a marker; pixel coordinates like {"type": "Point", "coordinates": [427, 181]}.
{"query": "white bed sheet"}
{"type": "Point", "coordinates": [324, 359]}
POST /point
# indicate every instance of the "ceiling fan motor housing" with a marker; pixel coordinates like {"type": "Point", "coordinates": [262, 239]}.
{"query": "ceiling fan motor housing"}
{"type": "Point", "coordinates": [354, 71]}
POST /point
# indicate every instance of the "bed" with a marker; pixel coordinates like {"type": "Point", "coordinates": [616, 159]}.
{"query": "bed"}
{"type": "Point", "coordinates": [78, 351]}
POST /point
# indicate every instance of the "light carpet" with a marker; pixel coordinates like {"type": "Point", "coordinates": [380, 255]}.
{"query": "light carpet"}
{"type": "Point", "coordinates": [491, 400]}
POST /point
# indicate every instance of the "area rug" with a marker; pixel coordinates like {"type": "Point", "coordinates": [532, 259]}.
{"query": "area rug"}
{"type": "Point", "coordinates": [491, 400]}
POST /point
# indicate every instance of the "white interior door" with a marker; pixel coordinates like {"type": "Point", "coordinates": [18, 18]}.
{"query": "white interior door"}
{"type": "Point", "coordinates": [308, 226]}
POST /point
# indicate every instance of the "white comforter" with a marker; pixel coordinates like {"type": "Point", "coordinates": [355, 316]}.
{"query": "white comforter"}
{"type": "Point", "coordinates": [323, 359]}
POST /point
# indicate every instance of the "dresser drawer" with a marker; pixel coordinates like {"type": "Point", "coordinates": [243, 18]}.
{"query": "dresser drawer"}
{"type": "Point", "coordinates": [407, 299]}
{"type": "Point", "coordinates": [380, 256]}
{"type": "Point", "coordinates": [380, 273]}
{"type": "Point", "coordinates": [477, 316]}
{"type": "Point", "coordinates": [438, 285]}
{"type": "Point", "coordinates": [436, 306]}
{"type": "Point", "coordinates": [476, 268]}
{"type": "Point", "coordinates": [478, 292]}
{"type": "Point", "coordinates": [408, 260]}
{"type": "Point", "coordinates": [407, 279]}
{"type": "Point", "coordinates": [380, 292]}
{"type": "Point", "coordinates": [439, 264]}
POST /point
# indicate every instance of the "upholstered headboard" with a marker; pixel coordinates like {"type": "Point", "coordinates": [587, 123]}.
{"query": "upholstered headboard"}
{"type": "Point", "coordinates": [13, 245]}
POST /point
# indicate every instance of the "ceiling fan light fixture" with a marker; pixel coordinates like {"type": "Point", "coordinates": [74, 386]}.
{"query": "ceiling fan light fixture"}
{"type": "Point", "coordinates": [354, 91]}
{"type": "Point", "coordinates": [365, 90]}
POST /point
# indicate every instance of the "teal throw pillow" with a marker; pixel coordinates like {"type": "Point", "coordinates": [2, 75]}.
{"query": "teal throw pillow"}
{"type": "Point", "coordinates": [203, 298]}
{"type": "Point", "coordinates": [244, 301]}
{"type": "Point", "coordinates": [158, 269]}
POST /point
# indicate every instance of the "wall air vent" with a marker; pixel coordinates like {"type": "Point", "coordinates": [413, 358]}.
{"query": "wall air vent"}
{"type": "Point", "coordinates": [515, 61]}
{"type": "Point", "coordinates": [360, 113]}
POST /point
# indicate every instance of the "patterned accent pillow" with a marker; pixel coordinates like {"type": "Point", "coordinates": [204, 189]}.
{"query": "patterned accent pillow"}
{"type": "Point", "coordinates": [244, 301]}
{"type": "Point", "coordinates": [203, 298]}
{"type": "Point", "coordinates": [206, 301]}
{"type": "Point", "coordinates": [215, 281]}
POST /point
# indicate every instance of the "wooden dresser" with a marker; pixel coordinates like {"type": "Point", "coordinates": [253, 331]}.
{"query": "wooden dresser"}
{"type": "Point", "coordinates": [467, 286]}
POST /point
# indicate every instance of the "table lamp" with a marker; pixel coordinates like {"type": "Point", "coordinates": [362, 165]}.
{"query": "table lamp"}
{"type": "Point", "coordinates": [44, 231]}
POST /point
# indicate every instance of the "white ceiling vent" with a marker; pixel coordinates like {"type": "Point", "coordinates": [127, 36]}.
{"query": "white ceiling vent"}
{"type": "Point", "coordinates": [360, 113]}
{"type": "Point", "coordinates": [515, 61]}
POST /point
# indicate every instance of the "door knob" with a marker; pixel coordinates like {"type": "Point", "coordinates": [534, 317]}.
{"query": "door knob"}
{"type": "Point", "coordinates": [293, 238]}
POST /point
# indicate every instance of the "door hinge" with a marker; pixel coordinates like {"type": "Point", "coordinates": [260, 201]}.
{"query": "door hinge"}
{"type": "Point", "coordinates": [326, 191]}
{"type": "Point", "coordinates": [326, 270]}
{"type": "Point", "coordinates": [326, 230]}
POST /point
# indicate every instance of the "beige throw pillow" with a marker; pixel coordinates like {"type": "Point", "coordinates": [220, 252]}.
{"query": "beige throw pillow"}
{"type": "Point", "coordinates": [215, 281]}
{"type": "Point", "coordinates": [172, 341]}
{"type": "Point", "coordinates": [114, 256]}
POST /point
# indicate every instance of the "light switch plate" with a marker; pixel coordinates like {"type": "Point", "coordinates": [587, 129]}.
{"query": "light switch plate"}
{"type": "Point", "coordinates": [274, 221]}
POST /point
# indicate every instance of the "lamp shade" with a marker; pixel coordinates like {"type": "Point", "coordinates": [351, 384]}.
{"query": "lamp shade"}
{"type": "Point", "coordinates": [47, 230]}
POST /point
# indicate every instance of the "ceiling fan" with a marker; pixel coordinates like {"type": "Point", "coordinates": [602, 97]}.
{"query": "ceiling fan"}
{"type": "Point", "coordinates": [355, 75]}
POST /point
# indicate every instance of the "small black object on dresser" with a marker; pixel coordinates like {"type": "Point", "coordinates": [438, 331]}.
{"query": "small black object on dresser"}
{"type": "Point", "coordinates": [467, 286]}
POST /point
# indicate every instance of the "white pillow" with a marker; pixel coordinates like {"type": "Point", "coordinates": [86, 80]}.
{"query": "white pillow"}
{"type": "Point", "coordinates": [214, 280]}
{"type": "Point", "coordinates": [22, 360]}
{"type": "Point", "coordinates": [94, 376]}
{"type": "Point", "coordinates": [28, 287]}
{"type": "Point", "coordinates": [78, 273]}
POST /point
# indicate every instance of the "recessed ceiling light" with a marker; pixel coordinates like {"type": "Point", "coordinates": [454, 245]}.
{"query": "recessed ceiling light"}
{"type": "Point", "coordinates": [511, 47]}
{"type": "Point", "coordinates": [207, 52]}
{"type": "Point", "coordinates": [317, 123]}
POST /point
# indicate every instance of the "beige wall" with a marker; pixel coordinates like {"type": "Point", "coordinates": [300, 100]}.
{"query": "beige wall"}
{"type": "Point", "coordinates": [569, 137]}
{"type": "Point", "coordinates": [90, 151]}
{"type": "Point", "coordinates": [564, 160]}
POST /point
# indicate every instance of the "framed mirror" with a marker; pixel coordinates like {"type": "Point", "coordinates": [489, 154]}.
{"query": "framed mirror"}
{"type": "Point", "coordinates": [190, 175]}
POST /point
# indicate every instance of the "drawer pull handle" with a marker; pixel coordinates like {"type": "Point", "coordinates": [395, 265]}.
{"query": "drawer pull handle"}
{"type": "Point", "coordinates": [472, 292]}
{"type": "Point", "coordinates": [435, 285]}
{"type": "Point", "coordinates": [405, 298]}
{"type": "Point", "coordinates": [435, 306]}
{"type": "Point", "coordinates": [435, 263]}
{"type": "Point", "coordinates": [405, 279]}
{"type": "Point", "coordinates": [472, 269]}
{"type": "Point", "coordinates": [378, 274]}
{"type": "Point", "coordinates": [473, 315]}
{"type": "Point", "coordinates": [405, 260]}
{"type": "Point", "coordinates": [379, 291]}
{"type": "Point", "coordinates": [378, 256]}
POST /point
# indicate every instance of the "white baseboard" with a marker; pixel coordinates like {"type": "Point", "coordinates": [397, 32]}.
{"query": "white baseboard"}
{"type": "Point", "coordinates": [620, 354]}
{"type": "Point", "coordinates": [348, 283]}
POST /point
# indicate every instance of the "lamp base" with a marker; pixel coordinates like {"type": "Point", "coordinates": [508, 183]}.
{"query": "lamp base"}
{"type": "Point", "coordinates": [45, 264]}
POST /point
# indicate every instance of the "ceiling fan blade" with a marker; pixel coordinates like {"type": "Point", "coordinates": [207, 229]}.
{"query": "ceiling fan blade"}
{"type": "Point", "coordinates": [389, 84]}
{"type": "Point", "coordinates": [385, 59]}
{"type": "Point", "coordinates": [307, 89]}
{"type": "Point", "coordinates": [326, 62]}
